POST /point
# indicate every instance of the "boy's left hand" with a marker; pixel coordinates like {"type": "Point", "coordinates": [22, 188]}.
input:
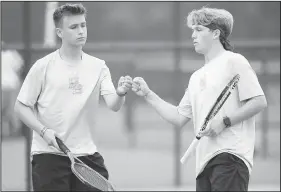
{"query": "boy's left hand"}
{"type": "Point", "coordinates": [214, 128]}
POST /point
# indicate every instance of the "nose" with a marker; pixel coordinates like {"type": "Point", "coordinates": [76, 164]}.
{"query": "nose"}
{"type": "Point", "coordinates": [193, 36]}
{"type": "Point", "coordinates": [80, 30]}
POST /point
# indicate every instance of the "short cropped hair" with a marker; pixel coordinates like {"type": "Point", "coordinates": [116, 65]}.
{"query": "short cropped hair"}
{"type": "Point", "coordinates": [68, 9]}
{"type": "Point", "coordinates": [213, 18]}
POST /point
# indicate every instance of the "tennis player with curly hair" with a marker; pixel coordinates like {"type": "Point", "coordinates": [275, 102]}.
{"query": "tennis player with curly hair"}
{"type": "Point", "coordinates": [224, 156]}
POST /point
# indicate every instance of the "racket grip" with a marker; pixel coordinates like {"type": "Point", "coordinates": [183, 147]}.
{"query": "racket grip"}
{"type": "Point", "coordinates": [189, 151]}
{"type": "Point", "coordinates": [62, 145]}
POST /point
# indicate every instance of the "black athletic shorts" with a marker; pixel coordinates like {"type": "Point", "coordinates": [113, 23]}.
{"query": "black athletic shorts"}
{"type": "Point", "coordinates": [224, 172]}
{"type": "Point", "coordinates": [53, 173]}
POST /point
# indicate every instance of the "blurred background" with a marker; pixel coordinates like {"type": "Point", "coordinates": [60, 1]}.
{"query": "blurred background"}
{"type": "Point", "coordinates": [148, 39]}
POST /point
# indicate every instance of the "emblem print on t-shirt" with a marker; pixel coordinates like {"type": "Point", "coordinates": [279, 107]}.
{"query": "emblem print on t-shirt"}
{"type": "Point", "coordinates": [74, 84]}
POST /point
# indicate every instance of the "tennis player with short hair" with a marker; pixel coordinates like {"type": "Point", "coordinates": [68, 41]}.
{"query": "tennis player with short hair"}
{"type": "Point", "coordinates": [224, 157]}
{"type": "Point", "coordinates": [60, 97]}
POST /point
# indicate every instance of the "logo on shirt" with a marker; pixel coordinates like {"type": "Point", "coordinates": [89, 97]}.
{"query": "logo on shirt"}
{"type": "Point", "coordinates": [74, 84]}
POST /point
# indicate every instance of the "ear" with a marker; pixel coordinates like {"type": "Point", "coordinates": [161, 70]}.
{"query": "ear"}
{"type": "Point", "coordinates": [216, 34]}
{"type": "Point", "coordinates": [59, 32]}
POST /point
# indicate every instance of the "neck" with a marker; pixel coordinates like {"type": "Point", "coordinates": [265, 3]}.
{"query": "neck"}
{"type": "Point", "coordinates": [216, 50]}
{"type": "Point", "coordinates": [70, 53]}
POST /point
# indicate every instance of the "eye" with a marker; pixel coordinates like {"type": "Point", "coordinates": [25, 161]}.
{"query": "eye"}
{"type": "Point", "coordinates": [73, 27]}
{"type": "Point", "coordinates": [196, 30]}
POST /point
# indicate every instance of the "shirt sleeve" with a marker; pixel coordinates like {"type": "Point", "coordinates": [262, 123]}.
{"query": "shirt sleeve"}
{"type": "Point", "coordinates": [32, 85]}
{"type": "Point", "coordinates": [184, 107]}
{"type": "Point", "coordinates": [107, 86]}
{"type": "Point", "coordinates": [248, 85]}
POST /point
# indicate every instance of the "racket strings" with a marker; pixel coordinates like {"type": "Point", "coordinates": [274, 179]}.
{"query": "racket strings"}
{"type": "Point", "coordinates": [91, 176]}
{"type": "Point", "coordinates": [92, 161]}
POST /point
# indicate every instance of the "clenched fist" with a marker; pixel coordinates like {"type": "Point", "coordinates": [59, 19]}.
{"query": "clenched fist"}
{"type": "Point", "coordinates": [124, 84]}
{"type": "Point", "coordinates": [140, 87]}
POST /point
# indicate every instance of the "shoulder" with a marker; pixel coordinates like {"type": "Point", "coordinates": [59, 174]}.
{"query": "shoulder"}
{"type": "Point", "coordinates": [94, 61]}
{"type": "Point", "coordinates": [196, 74]}
{"type": "Point", "coordinates": [42, 63]}
{"type": "Point", "coordinates": [237, 58]}
{"type": "Point", "coordinates": [238, 62]}
{"type": "Point", "coordinates": [192, 80]}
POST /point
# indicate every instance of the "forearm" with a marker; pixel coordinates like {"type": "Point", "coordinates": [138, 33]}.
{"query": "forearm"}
{"type": "Point", "coordinates": [115, 102]}
{"type": "Point", "coordinates": [27, 116]}
{"type": "Point", "coordinates": [166, 110]}
{"type": "Point", "coordinates": [248, 110]}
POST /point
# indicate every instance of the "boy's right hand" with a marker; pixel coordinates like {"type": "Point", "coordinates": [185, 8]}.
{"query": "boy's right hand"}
{"type": "Point", "coordinates": [140, 87]}
{"type": "Point", "coordinates": [50, 137]}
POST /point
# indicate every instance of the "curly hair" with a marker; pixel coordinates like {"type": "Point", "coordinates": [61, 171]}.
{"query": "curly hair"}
{"type": "Point", "coordinates": [68, 9]}
{"type": "Point", "coordinates": [213, 19]}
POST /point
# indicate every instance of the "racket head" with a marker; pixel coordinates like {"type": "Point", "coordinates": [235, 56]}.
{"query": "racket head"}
{"type": "Point", "coordinates": [84, 173]}
{"type": "Point", "coordinates": [90, 177]}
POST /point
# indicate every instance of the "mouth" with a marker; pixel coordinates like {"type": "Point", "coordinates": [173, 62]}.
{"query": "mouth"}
{"type": "Point", "coordinates": [81, 38]}
{"type": "Point", "coordinates": [195, 44]}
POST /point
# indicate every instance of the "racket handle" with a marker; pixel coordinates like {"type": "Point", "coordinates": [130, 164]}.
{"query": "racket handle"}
{"type": "Point", "coordinates": [189, 151]}
{"type": "Point", "coordinates": [62, 145]}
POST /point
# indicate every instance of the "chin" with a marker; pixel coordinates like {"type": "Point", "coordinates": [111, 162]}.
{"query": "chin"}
{"type": "Point", "coordinates": [198, 50]}
{"type": "Point", "coordinates": [80, 44]}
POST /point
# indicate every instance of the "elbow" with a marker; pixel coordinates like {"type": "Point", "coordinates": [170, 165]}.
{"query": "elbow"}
{"type": "Point", "coordinates": [181, 121]}
{"type": "Point", "coordinates": [262, 102]}
{"type": "Point", "coordinates": [180, 124]}
{"type": "Point", "coordinates": [265, 103]}
{"type": "Point", "coordinates": [16, 107]}
{"type": "Point", "coordinates": [19, 108]}
{"type": "Point", "coordinates": [115, 108]}
{"type": "Point", "coordinates": [175, 123]}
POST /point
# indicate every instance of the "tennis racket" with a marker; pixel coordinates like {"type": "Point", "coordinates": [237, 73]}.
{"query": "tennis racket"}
{"type": "Point", "coordinates": [214, 110]}
{"type": "Point", "coordinates": [84, 173]}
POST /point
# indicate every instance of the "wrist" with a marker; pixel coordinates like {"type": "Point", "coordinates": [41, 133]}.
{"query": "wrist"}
{"type": "Point", "coordinates": [42, 132]}
{"type": "Point", "coordinates": [226, 122]}
{"type": "Point", "coordinates": [120, 94]}
{"type": "Point", "coordinates": [148, 93]}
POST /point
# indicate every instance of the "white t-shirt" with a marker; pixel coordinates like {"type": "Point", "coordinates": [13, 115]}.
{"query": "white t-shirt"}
{"type": "Point", "coordinates": [204, 87]}
{"type": "Point", "coordinates": [65, 98]}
